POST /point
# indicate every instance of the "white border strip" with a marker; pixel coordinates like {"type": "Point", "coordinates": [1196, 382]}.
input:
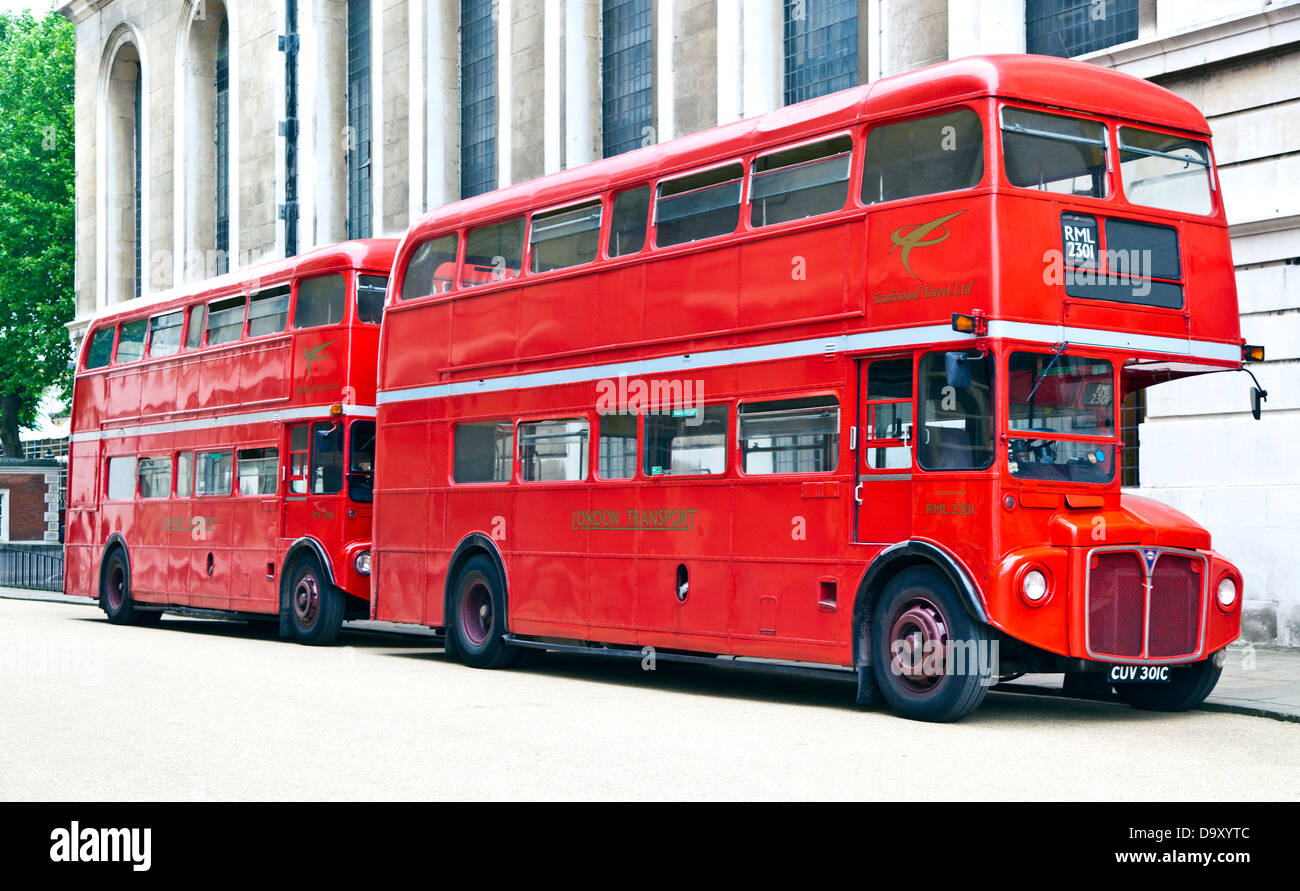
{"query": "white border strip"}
{"type": "Point", "coordinates": [897, 337]}
{"type": "Point", "coordinates": [255, 417]}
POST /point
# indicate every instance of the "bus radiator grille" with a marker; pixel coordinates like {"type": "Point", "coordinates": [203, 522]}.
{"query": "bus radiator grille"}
{"type": "Point", "coordinates": [1115, 605]}
{"type": "Point", "coordinates": [1175, 607]}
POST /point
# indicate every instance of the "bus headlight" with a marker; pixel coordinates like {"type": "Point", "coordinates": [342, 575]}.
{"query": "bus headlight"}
{"type": "Point", "coordinates": [1033, 586]}
{"type": "Point", "coordinates": [1227, 592]}
{"type": "Point", "coordinates": [362, 563]}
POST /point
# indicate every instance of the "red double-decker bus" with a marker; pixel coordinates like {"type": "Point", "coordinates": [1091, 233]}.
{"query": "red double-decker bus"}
{"type": "Point", "coordinates": [222, 446]}
{"type": "Point", "coordinates": [837, 385]}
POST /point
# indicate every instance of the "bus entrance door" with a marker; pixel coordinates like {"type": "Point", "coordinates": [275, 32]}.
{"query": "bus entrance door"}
{"type": "Point", "coordinates": [883, 494]}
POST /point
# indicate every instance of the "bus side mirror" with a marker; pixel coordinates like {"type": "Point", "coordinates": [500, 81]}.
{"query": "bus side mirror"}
{"type": "Point", "coordinates": [1257, 398]}
{"type": "Point", "coordinates": [957, 366]}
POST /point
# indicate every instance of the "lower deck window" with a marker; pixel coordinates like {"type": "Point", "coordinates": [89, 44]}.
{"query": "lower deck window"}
{"type": "Point", "coordinates": [616, 455]}
{"type": "Point", "coordinates": [553, 450]}
{"type": "Point", "coordinates": [257, 471]}
{"type": "Point", "coordinates": [215, 473]}
{"type": "Point", "coordinates": [121, 478]}
{"type": "Point", "coordinates": [155, 476]}
{"type": "Point", "coordinates": [483, 453]}
{"type": "Point", "coordinates": [687, 441]}
{"type": "Point", "coordinates": [790, 435]}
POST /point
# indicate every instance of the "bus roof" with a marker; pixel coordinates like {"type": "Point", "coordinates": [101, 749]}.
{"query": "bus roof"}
{"type": "Point", "coordinates": [371, 253]}
{"type": "Point", "coordinates": [1047, 80]}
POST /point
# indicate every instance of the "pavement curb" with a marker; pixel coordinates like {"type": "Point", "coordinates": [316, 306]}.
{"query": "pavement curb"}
{"type": "Point", "coordinates": [1253, 711]}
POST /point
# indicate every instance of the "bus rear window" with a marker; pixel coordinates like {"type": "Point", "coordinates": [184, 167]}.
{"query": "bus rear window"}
{"type": "Point", "coordinates": [320, 301]}
{"type": "Point", "coordinates": [1054, 153]}
{"type": "Point", "coordinates": [702, 205]}
{"type": "Point", "coordinates": [1169, 172]}
{"type": "Point", "coordinates": [493, 253]}
{"type": "Point", "coordinates": [100, 351]}
{"type": "Point", "coordinates": [800, 182]}
{"type": "Point", "coordinates": [940, 153]}
{"type": "Point", "coordinates": [431, 269]}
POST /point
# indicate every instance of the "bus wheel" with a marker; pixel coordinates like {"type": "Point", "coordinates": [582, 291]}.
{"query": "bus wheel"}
{"type": "Point", "coordinates": [1187, 688]}
{"type": "Point", "coordinates": [115, 593]}
{"type": "Point", "coordinates": [930, 657]}
{"type": "Point", "coordinates": [315, 606]}
{"type": "Point", "coordinates": [477, 621]}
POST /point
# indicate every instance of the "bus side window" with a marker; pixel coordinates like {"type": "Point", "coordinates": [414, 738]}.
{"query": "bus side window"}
{"type": "Point", "coordinates": [257, 469]}
{"type": "Point", "coordinates": [215, 473]}
{"type": "Point", "coordinates": [326, 458]}
{"type": "Point", "coordinates": [493, 253]}
{"type": "Point", "coordinates": [184, 474]}
{"type": "Point", "coordinates": [130, 343]}
{"type": "Point", "coordinates": [165, 334]}
{"type": "Point", "coordinates": [194, 335]}
{"type": "Point", "coordinates": [940, 153]}
{"type": "Point", "coordinates": [121, 478]}
{"type": "Point", "coordinates": [887, 413]}
{"type": "Point", "coordinates": [800, 182]}
{"type": "Point", "coordinates": [553, 450]}
{"type": "Point", "coordinates": [701, 205]}
{"type": "Point", "coordinates": [567, 237]}
{"type": "Point", "coordinates": [483, 453]}
{"type": "Point", "coordinates": [628, 221]}
{"type": "Point", "coordinates": [616, 458]}
{"type": "Point", "coordinates": [956, 423]}
{"type": "Point", "coordinates": [320, 301]}
{"type": "Point", "coordinates": [299, 442]}
{"type": "Point", "coordinates": [686, 442]}
{"type": "Point", "coordinates": [155, 475]}
{"type": "Point", "coordinates": [431, 269]}
{"type": "Point", "coordinates": [268, 311]}
{"type": "Point", "coordinates": [226, 321]}
{"type": "Point", "coordinates": [370, 298]}
{"type": "Point", "coordinates": [790, 435]}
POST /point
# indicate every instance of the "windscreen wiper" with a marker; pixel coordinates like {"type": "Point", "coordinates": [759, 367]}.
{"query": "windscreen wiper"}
{"type": "Point", "coordinates": [1042, 374]}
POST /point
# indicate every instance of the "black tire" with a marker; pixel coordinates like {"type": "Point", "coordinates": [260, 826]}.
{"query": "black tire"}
{"type": "Point", "coordinates": [315, 606]}
{"type": "Point", "coordinates": [1187, 688]}
{"type": "Point", "coordinates": [115, 593]}
{"type": "Point", "coordinates": [920, 606]}
{"type": "Point", "coordinates": [477, 622]}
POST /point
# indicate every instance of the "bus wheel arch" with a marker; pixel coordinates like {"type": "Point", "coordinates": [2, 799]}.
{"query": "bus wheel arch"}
{"type": "Point", "coordinates": [479, 555]}
{"type": "Point", "coordinates": [115, 586]}
{"type": "Point", "coordinates": [882, 570]}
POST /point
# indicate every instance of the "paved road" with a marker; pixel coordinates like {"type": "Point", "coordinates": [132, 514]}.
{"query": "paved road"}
{"type": "Point", "coordinates": [201, 709]}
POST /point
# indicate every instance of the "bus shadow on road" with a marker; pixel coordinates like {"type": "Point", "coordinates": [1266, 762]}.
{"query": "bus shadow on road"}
{"type": "Point", "coordinates": [351, 635]}
{"type": "Point", "coordinates": [731, 682]}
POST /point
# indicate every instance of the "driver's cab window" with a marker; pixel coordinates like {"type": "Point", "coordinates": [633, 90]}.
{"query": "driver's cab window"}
{"type": "Point", "coordinates": [955, 414]}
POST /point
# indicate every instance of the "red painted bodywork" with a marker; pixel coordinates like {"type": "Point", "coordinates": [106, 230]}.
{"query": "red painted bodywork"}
{"type": "Point", "coordinates": [243, 394]}
{"type": "Point", "coordinates": [755, 589]}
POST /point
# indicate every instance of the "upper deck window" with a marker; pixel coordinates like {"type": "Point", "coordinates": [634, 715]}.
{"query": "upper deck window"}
{"type": "Point", "coordinates": [370, 298]}
{"type": "Point", "coordinates": [1165, 171]}
{"type": "Point", "coordinates": [701, 205]}
{"type": "Point", "coordinates": [800, 182]}
{"type": "Point", "coordinates": [165, 333]}
{"type": "Point", "coordinates": [627, 223]}
{"type": "Point", "coordinates": [194, 336]}
{"type": "Point", "coordinates": [493, 253]}
{"type": "Point", "coordinates": [431, 268]}
{"type": "Point", "coordinates": [130, 343]}
{"type": "Point", "coordinates": [320, 301]}
{"type": "Point", "coordinates": [225, 320]}
{"type": "Point", "coordinates": [567, 237]}
{"type": "Point", "coordinates": [100, 351]}
{"type": "Point", "coordinates": [1054, 153]}
{"type": "Point", "coordinates": [939, 153]}
{"type": "Point", "coordinates": [268, 311]}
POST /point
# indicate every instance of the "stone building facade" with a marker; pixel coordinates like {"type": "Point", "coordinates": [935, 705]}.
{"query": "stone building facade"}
{"type": "Point", "coordinates": [304, 122]}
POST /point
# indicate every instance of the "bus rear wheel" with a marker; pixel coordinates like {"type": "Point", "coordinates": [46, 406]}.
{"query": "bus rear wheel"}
{"type": "Point", "coordinates": [928, 654]}
{"type": "Point", "coordinates": [1187, 688]}
{"type": "Point", "coordinates": [477, 621]}
{"type": "Point", "coordinates": [315, 605]}
{"type": "Point", "coordinates": [115, 593]}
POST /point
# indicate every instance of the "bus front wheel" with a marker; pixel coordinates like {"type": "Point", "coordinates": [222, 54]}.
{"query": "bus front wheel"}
{"type": "Point", "coordinates": [1187, 688]}
{"type": "Point", "coordinates": [315, 605]}
{"type": "Point", "coordinates": [115, 593]}
{"type": "Point", "coordinates": [477, 621]}
{"type": "Point", "coordinates": [931, 659]}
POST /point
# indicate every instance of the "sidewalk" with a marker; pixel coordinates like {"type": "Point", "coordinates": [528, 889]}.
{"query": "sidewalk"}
{"type": "Point", "coordinates": [1261, 681]}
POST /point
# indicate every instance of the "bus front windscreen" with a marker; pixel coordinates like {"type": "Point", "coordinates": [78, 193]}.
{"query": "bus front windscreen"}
{"type": "Point", "coordinates": [1052, 397]}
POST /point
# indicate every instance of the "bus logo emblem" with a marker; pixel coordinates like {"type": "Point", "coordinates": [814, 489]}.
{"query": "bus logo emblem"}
{"type": "Point", "coordinates": [915, 237]}
{"type": "Point", "coordinates": [1150, 554]}
{"type": "Point", "coordinates": [315, 354]}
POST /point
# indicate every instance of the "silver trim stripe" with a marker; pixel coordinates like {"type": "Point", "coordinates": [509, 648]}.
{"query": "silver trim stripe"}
{"type": "Point", "coordinates": [896, 337]}
{"type": "Point", "coordinates": [252, 417]}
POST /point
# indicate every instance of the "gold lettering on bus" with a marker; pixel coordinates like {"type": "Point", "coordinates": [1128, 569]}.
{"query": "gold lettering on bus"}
{"type": "Point", "coordinates": [634, 520]}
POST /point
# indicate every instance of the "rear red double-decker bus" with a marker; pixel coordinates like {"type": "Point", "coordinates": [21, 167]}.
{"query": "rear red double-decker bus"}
{"type": "Point", "coordinates": [835, 385]}
{"type": "Point", "coordinates": [222, 445]}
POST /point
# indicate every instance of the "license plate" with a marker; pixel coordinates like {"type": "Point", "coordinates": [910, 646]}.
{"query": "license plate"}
{"type": "Point", "coordinates": [1138, 674]}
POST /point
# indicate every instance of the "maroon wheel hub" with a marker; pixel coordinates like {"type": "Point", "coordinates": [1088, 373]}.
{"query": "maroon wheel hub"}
{"type": "Point", "coordinates": [476, 612]}
{"type": "Point", "coordinates": [920, 638]}
{"type": "Point", "coordinates": [306, 600]}
{"type": "Point", "coordinates": [116, 587]}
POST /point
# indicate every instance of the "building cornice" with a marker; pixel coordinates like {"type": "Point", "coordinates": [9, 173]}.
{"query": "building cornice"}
{"type": "Point", "coordinates": [77, 11]}
{"type": "Point", "coordinates": [1206, 44]}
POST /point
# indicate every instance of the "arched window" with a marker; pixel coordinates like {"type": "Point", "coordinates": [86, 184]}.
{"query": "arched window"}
{"type": "Point", "coordinates": [122, 211]}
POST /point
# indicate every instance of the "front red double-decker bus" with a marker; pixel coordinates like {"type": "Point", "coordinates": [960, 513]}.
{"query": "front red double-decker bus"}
{"type": "Point", "coordinates": [222, 446]}
{"type": "Point", "coordinates": [838, 385]}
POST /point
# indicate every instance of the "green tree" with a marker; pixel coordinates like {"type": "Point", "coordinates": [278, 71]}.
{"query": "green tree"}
{"type": "Point", "coordinates": [36, 215]}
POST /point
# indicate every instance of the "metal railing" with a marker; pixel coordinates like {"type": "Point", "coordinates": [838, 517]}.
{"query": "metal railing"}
{"type": "Point", "coordinates": [41, 570]}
